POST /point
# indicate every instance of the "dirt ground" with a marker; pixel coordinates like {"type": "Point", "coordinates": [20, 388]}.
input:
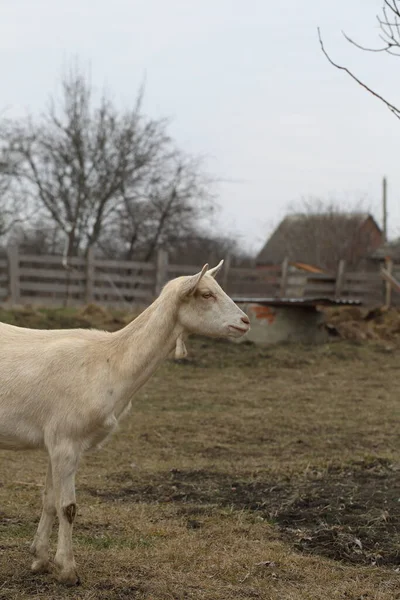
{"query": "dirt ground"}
{"type": "Point", "coordinates": [240, 473]}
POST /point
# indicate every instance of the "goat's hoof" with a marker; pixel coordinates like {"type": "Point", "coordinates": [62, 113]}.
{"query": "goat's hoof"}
{"type": "Point", "coordinates": [68, 578]}
{"type": "Point", "coordinates": [40, 566]}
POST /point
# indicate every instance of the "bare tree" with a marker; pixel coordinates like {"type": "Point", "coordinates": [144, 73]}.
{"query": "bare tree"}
{"type": "Point", "coordinates": [11, 212]}
{"type": "Point", "coordinates": [38, 237]}
{"type": "Point", "coordinates": [389, 25]}
{"type": "Point", "coordinates": [77, 164]}
{"type": "Point", "coordinates": [99, 176]}
{"type": "Point", "coordinates": [165, 208]}
{"type": "Point", "coordinates": [203, 247]}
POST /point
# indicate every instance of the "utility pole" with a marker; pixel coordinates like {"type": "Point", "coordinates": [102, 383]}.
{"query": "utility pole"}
{"type": "Point", "coordinates": [384, 207]}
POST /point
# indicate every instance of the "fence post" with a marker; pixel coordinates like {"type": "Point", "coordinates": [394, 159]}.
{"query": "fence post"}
{"type": "Point", "coordinates": [161, 277]}
{"type": "Point", "coordinates": [284, 278]}
{"type": "Point", "coordinates": [340, 278]}
{"type": "Point", "coordinates": [388, 286]}
{"type": "Point", "coordinates": [13, 274]}
{"type": "Point", "coordinates": [227, 266]}
{"type": "Point", "coordinates": [90, 267]}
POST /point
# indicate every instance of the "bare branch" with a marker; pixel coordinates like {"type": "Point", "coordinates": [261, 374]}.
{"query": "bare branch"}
{"type": "Point", "coordinates": [393, 7]}
{"type": "Point", "coordinates": [391, 107]}
{"type": "Point", "coordinates": [365, 48]}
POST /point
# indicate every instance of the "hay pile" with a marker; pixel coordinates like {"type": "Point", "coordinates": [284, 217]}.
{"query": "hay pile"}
{"type": "Point", "coordinates": [361, 324]}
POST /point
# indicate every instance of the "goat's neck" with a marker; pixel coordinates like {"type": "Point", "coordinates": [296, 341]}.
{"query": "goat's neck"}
{"type": "Point", "coordinates": [145, 343]}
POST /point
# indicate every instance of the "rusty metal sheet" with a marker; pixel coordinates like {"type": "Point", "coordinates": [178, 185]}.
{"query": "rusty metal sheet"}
{"type": "Point", "coordinates": [264, 312]}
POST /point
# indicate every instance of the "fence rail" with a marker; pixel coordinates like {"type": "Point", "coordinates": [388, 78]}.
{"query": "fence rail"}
{"type": "Point", "coordinates": [44, 280]}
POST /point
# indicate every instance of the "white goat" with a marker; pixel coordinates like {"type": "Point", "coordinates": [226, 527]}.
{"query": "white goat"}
{"type": "Point", "coordinates": [65, 390]}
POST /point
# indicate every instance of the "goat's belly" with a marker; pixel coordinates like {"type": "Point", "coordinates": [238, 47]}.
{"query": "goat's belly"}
{"type": "Point", "coordinates": [17, 435]}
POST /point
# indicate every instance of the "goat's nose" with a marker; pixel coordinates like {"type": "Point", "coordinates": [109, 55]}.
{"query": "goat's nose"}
{"type": "Point", "coordinates": [246, 320]}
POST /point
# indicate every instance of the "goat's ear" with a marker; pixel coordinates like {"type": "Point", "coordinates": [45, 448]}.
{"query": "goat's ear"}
{"type": "Point", "coordinates": [190, 285]}
{"type": "Point", "coordinates": [213, 272]}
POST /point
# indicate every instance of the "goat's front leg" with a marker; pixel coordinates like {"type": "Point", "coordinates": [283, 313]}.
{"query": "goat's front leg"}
{"type": "Point", "coordinates": [40, 545]}
{"type": "Point", "coordinates": [64, 461]}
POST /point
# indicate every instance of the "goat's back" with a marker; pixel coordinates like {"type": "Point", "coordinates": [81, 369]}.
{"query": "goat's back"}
{"type": "Point", "coordinates": [47, 377]}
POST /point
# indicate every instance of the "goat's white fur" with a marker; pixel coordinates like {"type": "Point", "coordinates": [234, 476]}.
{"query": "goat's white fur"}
{"type": "Point", "coordinates": [65, 390]}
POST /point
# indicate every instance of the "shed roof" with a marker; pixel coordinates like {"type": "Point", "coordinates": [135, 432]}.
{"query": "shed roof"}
{"type": "Point", "coordinates": [297, 227]}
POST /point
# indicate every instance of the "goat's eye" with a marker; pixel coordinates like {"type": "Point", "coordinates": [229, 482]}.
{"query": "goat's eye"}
{"type": "Point", "coordinates": [207, 295]}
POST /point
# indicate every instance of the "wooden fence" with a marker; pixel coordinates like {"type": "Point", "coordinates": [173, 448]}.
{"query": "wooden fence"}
{"type": "Point", "coordinates": [29, 279]}
{"type": "Point", "coordinates": [287, 281]}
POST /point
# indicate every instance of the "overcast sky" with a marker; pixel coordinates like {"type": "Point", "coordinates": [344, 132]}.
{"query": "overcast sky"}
{"type": "Point", "coordinates": [245, 84]}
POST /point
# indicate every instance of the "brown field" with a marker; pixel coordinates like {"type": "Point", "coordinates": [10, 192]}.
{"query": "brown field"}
{"type": "Point", "coordinates": [241, 473]}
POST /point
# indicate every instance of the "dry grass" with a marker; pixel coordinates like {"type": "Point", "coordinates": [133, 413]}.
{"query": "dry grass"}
{"type": "Point", "coordinates": [240, 473]}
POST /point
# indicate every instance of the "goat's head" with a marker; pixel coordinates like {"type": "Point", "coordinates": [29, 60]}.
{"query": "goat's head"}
{"type": "Point", "coordinates": [205, 309]}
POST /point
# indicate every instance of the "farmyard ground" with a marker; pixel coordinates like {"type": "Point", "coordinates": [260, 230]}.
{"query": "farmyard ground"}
{"type": "Point", "coordinates": [240, 473]}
